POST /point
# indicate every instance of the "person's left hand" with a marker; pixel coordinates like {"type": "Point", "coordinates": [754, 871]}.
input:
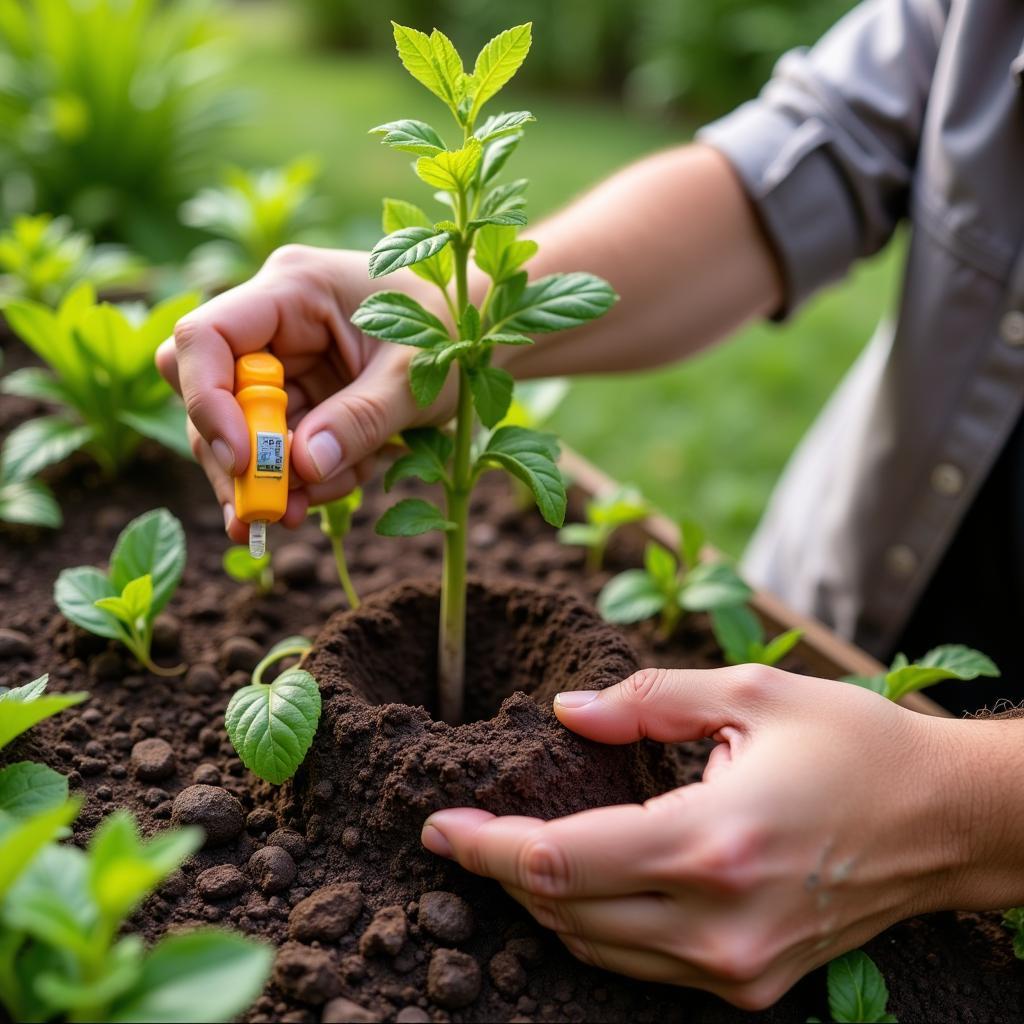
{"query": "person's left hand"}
{"type": "Point", "coordinates": [824, 816]}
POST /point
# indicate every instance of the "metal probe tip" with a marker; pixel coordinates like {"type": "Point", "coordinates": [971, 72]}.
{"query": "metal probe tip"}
{"type": "Point", "coordinates": [258, 538]}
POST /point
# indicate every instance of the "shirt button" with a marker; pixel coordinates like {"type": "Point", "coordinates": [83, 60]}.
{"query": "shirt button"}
{"type": "Point", "coordinates": [1012, 327]}
{"type": "Point", "coordinates": [901, 560]}
{"type": "Point", "coordinates": [947, 479]}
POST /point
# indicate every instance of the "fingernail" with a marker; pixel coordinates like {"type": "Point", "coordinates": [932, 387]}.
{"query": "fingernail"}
{"type": "Point", "coordinates": [434, 840]}
{"type": "Point", "coordinates": [575, 698]}
{"type": "Point", "coordinates": [223, 454]}
{"type": "Point", "coordinates": [229, 514]}
{"type": "Point", "coordinates": [325, 452]}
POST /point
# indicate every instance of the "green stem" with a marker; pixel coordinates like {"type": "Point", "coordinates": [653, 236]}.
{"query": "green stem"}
{"type": "Point", "coordinates": [338, 547]}
{"type": "Point", "coordinates": [595, 555]}
{"type": "Point", "coordinates": [670, 616]}
{"type": "Point", "coordinates": [140, 645]}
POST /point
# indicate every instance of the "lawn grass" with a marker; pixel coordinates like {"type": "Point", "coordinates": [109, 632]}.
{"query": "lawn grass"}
{"type": "Point", "coordinates": [707, 438]}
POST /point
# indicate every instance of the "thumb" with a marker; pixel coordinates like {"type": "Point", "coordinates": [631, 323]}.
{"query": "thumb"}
{"type": "Point", "coordinates": [668, 705]}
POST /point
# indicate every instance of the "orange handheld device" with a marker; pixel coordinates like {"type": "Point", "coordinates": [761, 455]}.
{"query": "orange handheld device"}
{"type": "Point", "coordinates": [261, 493]}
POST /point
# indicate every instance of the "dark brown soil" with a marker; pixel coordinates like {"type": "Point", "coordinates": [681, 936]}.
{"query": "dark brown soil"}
{"type": "Point", "coordinates": [327, 867]}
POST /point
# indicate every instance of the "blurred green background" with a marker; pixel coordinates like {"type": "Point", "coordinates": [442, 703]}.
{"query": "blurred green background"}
{"type": "Point", "coordinates": [265, 81]}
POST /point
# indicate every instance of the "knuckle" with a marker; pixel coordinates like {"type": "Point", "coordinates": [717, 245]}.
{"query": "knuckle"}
{"type": "Point", "coordinates": [549, 915]}
{"type": "Point", "coordinates": [290, 256]}
{"type": "Point", "coordinates": [195, 406]}
{"type": "Point", "coordinates": [186, 330]}
{"type": "Point", "coordinates": [728, 859]}
{"type": "Point", "coordinates": [581, 950]}
{"type": "Point", "coordinates": [366, 419]}
{"type": "Point", "coordinates": [544, 869]}
{"type": "Point", "coordinates": [731, 957]}
{"type": "Point", "coordinates": [750, 683]}
{"type": "Point", "coordinates": [646, 685]}
{"type": "Point", "coordinates": [755, 997]}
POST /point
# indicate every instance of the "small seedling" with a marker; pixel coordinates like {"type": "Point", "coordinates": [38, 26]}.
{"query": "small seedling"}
{"type": "Point", "coordinates": [604, 514]}
{"type": "Point", "coordinates": [121, 604]}
{"type": "Point", "coordinates": [741, 636]}
{"type": "Point", "coordinates": [251, 214]}
{"type": "Point", "coordinates": [857, 993]}
{"type": "Point", "coordinates": [670, 585]}
{"type": "Point", "coordinates": [271, 725]}
{"type": "Point", "coordinates": [1014, 920]}
{"type": "Point", "coordinates": [102, 375]}
{"type": "Point", "coordinates": [28, 503]}
{"type": "Point", "coordinates": [241, 566]}
{"type": "Point", "coordinates": [336, 521]}
{"type": "Point", "coordinates": [480, 218]}
{"type": "Point", "coordinates": [61, 911]}
{"type": "Point", "coordinates": [950, 661]}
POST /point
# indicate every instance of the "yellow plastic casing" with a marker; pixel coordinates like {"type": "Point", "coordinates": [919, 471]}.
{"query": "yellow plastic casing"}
{"type": "Point", "coordinates": [261, 493]}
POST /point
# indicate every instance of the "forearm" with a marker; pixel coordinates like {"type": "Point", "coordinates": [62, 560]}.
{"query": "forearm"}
{"type": "Point", "coordinates": [677, 238]}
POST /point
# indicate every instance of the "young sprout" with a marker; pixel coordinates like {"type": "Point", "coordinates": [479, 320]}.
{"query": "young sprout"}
{"type": "Point", "coordinates": [241, 566]}
{"type": "Point", "coordinates": [670, 585]}
{"type": "Point", "coordinates": [336, 521]}
{"type": "Point", "coordinates": [121, 604]}
{"type": "Point", "coordinates": [741, 636]}
{"type": "Point", "coordinates": [604, 515]}
{"type": "Point", "coordinates": [480, 219]}
{"type": "Point", "coordinates": [949, 661]}
{"type": "Point", "coordinates": [856, 991]}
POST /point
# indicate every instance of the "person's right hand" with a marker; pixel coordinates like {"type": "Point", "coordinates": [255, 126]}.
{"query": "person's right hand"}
{"type": "Point", "coordinates": [347, 393]}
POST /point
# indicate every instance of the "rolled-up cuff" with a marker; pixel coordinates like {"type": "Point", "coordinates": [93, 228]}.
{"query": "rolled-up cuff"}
{"type": "Point", "coordinates": [798, 191]}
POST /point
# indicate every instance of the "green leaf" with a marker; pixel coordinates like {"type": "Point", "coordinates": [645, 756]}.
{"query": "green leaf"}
{"type": "Point", "coordinates": [713, 585]}
{"type": "Point", "coordinates": [166, 424]}
{"type": "Point", "coordinates": [452, 171]}
{"type": "Point", "coordinates": [534, 402]}
{"type": "Point", "coordinates": [295, 646]}
{"type": "Point", "coordinates": [496, 63]}
{"type": "Point", "coordinates": [775, 650]}
{"type": "Point", "coordinates": [20, 842]}
{"type": "Point", "coordinates": [492, 393]}
{"type": "Point", "coordinates": [26, 788]}
{"type": "Point", "coordinates": [411, 136]}
{"type": "Point", "coordinates": [499, 125]}
{"type": "Point", "coordinates": [504, 338]}
{"type": "Point", "coordinates": [531, 457]}
{"type": "Point", "coordinates": [660, 565]}
{"type": "Point", "coordinates": [429, 452]}
{"type": "Point", "coordinates": [469, 323]}
{"type": "Point", "coordinates": [428, 370]}
{"type": "Point", "coordinates": [202, 975]}
{"type": "Point", "coordinates": [584, 535]}
{"type": "Point", "coordinates": [39, 443]}
{"type": "Point", "coordinates": [76, 593]}
{"type": "Point", "coordinates": [411, 517]}
{"type": "Point", "coordinates": [1014, 920]}
{"type": "Point", "coordinates": [874, 683]}
{"type": "Point", "coordinates": [30, 503]}
{"type": "Point", "coordinates": [399, 214]}
{"type": "Point", "coordinates": [618, 508]}
{"type": "Point", "coordinates": [336, 515]}
{"type": "Point", "coordinates": [152, 544]}
{"type": "Point", "coordinates": [950, 661]}
{"type": "Point", "coordinates": [34, 382]}
{"type": "Point", "coordinates": [393, 316]}
{"type": "Point", "coordinates": [24, 706]}
{"type": "Point", "coordinates": [497, 252]}
{"type": "Point", "coordinates": [857, 990]}
{"type": "Point", "coordinates": [738, 632]}
{"type": "Point", "coordinates": [449, 67]}
{"type": "Point", "coordinates": [272, 726]}
{"type": "Point", "coordinates": [630, 597]}
{"type": "Point", "coordinates": [553, 303]}
{"type": "Point", "coordinates": [404, 247]}
{"type": "Point", "coordinates": [496, 154]}
{"type": "Point", "coordinates": [503, 205]}
{"type": "Point", "coordinates": [691, 543]}
{"type": "Point", "coordinates": [241, 566]}
{"type": "Point", "coordinates": [133, 604]}
{"type": "Point", "coordinates": [426, 59]}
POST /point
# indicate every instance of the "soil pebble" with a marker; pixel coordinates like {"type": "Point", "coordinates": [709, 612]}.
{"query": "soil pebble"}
{"type": "Point", "coordinates": [202, 679]}
{"type": "Point", "coordinates": [446, 916]}
{"type": "Point", "coordinates": [507, 974]}
{"type": "Point", "coordinates": [296, 564]}
{"type": "Point", "coordinates": [14, 644]}
{"type": "Point", "coordinates": [206, 775]}
{"type": "Point", "coordinates": [326, 914]}
{"type": "Point", "coordinates": [272, 868]}
{"type": "Point", "coordinates": [344, 1011]}
{"type": "Point", "coordinates": [262, 819]}
{"type": "Point", "coordinates": [385, 934]}
{"type": "Point", "coordinates": [213, 809]}
{"type": "Point", "coordinates": [412, 1015]}
{"type": "Point", "coordinates": [106, 666]}
{"type": "Point", "coordinates": [153, 760]}
{"type": "Point", "coordinates": [288, 840]}
{"type": "Point", "coordinates": [308, 975]}
{"type": "Point", "coordinates": [240, 654]}
{"type": "Point", "coordinates": [453, 979]}
{"type": "Point", "coordinates": [221, 882]}
{"type": "Point", "coordinates": [166, 633]}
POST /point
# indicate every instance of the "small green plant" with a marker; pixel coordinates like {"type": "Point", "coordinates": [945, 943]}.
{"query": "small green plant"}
{"type": "Point", "coordinates": [28, 503]}
{"type": "Point", "coordinates": [121, 604]}
{"type": "Point", "coordinates": [271, 725]}
{"type": "Point", "coordinates": [25, 706]}
{"type": "Point", "coordinates": [741, 636]}
{"type": "Point", "coordinates": [336, 521]}
{"type": "Point", "coordinates": [857, 993]}
{"type": "Point", "coordinates": [670, 585]}
{"type": "Point", "coordinates": [604, 515]}
{"type": "Point", "coordinates": [101, 373]}
{"type": "Point", "coordinates": [949, 661]}
{"type": "Point", "coordinates": [241, 566]}
{"type": "Point", "coordinates": [480, 218]}
{"type": "Point", "coordinates": [1014, 920]}
{"type": "Point", "coordinates": [251, 214]}
{"type": "Point", "coordinates": [42, 259]}
{"type": "Point", "coordinates": [61, 911]}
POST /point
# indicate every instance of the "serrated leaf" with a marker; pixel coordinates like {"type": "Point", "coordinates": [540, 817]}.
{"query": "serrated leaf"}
{"type": "Point", "coordinates": [950, 661]}
{"type": "Point", "coordinates": [713, 585]}
{"type": "Point", "coordinates": [531, 457]}
{"type": "Point", "coordinates": [76, 593]}
{"type": "Point", "coordinates": [410, 518]}
{"type": "Point", "coordinates": [452, 171]}
{"type": "Point", "coordinates": [451, 74]}
{"type": "Point", "coordinates": [496, 154]}
{"type": "Point", "coordinates": [400, 214]}
{"type": "Point", "coordinates": [504, 338]}
{"type": "Point", "coordinates": [428, 370]}
{"type": "Point", "coordinates": [30, 504]}
{"type": "Point", "coordinates": [496, 63]}
{"type": "Point", "coordinates": [427, 460]}
{"type": "Point", "coordinates": [420, 59]}
{"type": "Point", "coordinates": [152, 544]}
{"type": "Point", "coordinates": [411, 136]}
{"type": "Point", "coordinates": [632, 596]}
{"type": "Point", "coordinates": [504, 205]}
{"type": "Point", "coordinates": [553, 303]}
{"type": "Point", "coordinates": [166, 424]}
{"type": "Point", "coordinates": [492, 393]}
{"type": "Point", "coordinates": [738, 631]}
{"type": "Point", "coordinates": [26, 788]}
{"type": "Point", "coordinates": [857, 990]}
{"type": "Point", "coordinates": [499, 125]}
{"type": "Point", "coordinates": [272, 726]}
{"type": "Point", "coordinates": [394, 316]}
{"type": "Point", "coordinates": [469, 323]}
{"type": "Point", "coordinates": [39, 443]}
{"type": "Point", "coordinates": [498, 253]}
{"type": "Point", "coordinates": [405, 247]}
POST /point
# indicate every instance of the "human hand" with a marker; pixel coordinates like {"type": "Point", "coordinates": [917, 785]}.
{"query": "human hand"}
{"type": "Point", "coordinates": [347, 393]}
{"type": "Point", "coordinates": [822, 818]}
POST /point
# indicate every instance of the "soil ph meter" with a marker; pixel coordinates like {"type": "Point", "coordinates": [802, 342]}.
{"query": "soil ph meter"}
{"type": "Point", "coordinates": [261, 492]}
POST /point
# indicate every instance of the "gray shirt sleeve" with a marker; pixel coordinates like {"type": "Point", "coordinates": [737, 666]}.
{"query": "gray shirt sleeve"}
{"type": "Point", "coordinates": [827, 151]}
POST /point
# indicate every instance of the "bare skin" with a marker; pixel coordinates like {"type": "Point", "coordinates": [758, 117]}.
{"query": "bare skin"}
{"type": "Point", "coordinates": [826, 813]}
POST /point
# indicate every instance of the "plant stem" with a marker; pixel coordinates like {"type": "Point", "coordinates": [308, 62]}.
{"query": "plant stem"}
{"type": "Point", "coordinates": [595, 556]}
{"type": "Point", "coordinates": [338, 547]}
{"type": "Point", "coordinates": [670, 616]}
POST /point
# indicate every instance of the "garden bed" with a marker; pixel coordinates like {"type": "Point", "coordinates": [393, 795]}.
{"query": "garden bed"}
{"type": "Point", "coordinates": [372, 937]}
